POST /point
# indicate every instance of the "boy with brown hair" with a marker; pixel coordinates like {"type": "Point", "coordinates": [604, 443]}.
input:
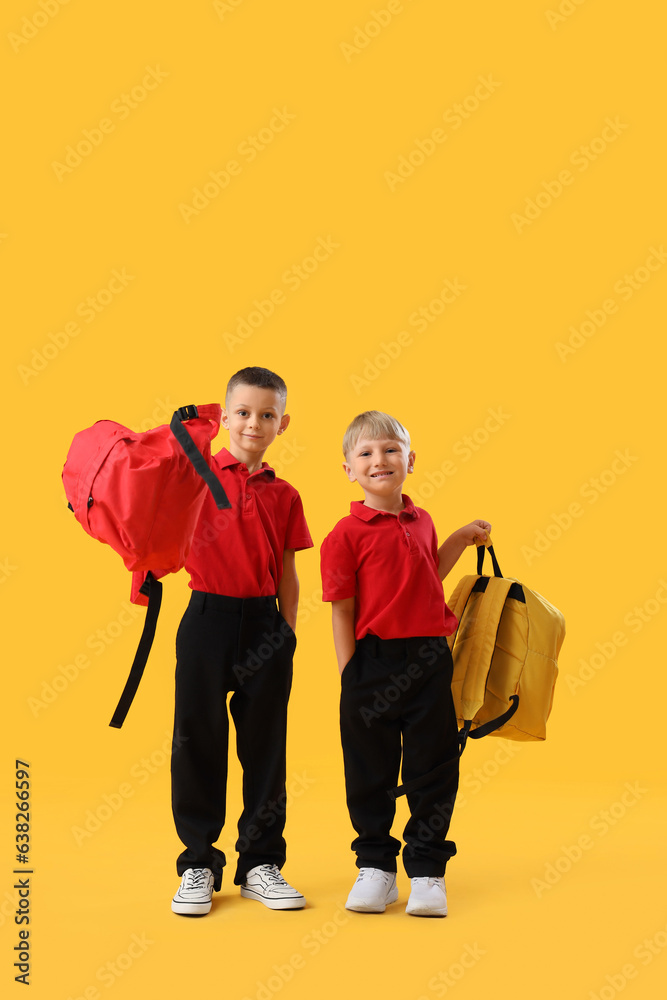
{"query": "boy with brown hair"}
{"type": "Point", "coordinates": [235, 637]}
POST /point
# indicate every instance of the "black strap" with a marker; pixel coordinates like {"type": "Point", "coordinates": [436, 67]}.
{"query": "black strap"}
{"type": "Point", "coordinates": [481, 549]}
{"type": "Point", "coordinates": [426, 779]}
{"type": "Point", "coordinates": [465, 733]}
{"type": "Point", "coordinates": [183, 437]}
{"type": "Point", "coordinates": [492, 724]}
{"type": "Point", "coordinates": [154, 590]}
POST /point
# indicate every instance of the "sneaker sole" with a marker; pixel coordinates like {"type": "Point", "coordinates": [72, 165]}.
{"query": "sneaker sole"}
{"type": "Point", "coordinates": [191, 909]}
{"type": "Point", "coordinates": [424, 911]}
{"type": "Point", "coordinates": [361, 906]}
{"type": "Point", "coordinates": [296, 903]}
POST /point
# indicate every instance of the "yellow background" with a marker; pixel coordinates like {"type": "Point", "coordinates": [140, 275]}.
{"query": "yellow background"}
{"type": "Point", "coordinates": [218, 76]}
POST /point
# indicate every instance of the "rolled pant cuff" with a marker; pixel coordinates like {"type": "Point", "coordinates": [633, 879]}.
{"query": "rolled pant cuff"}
{"type": "Point", "coordinates": [385, 865]}
{"type": "Point", "coordinates": [424, 870]}
{"type": "Point", "coordinates": [248, 861]}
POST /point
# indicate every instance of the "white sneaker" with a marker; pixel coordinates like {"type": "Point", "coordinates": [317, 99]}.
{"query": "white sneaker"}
{"type": "Point", "coordinates": [194, 894]}
{"type": "Point", "coordinates": [372, 891]}
{"type": "Point", "coordinates": [266, 884]}
{"type": "Point", "coordinates": [427, 897]}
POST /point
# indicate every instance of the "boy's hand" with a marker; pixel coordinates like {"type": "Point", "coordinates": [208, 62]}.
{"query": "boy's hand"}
{"type": "Point", "coordinates": [475, 533]}
{"type": "Point", "coordinates": [452, 548]}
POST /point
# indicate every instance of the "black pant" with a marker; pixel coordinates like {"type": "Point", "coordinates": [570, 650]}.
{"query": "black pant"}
{"type": "Point", "coordinates": [396, 700]}
{"type": "Point", "coordinates": [245, 646]}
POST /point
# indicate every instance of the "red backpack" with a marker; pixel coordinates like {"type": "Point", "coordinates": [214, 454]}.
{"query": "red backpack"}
{"type": "Point", "coordinates": [142, 493]}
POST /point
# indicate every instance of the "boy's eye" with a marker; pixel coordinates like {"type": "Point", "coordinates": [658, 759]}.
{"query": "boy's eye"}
{"type": "Point", "coordinates": [269, 415]}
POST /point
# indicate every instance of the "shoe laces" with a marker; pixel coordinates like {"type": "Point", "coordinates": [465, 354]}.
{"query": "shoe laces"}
{"type": "Point", "coordinates": [195, 878]}
{"type": "Point", "coordinates": [273, 874]}
{"type": "Point", "coordinates": [373, 875]}
{"type": "Point", "coordinates": [427, 880]}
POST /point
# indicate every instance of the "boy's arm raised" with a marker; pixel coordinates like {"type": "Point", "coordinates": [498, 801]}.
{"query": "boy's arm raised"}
{"type": "Point", "coordinates": [452, 548]}
{"type": "Point", "coordinates": [288, 589]}
{"type": "Point", "coordinates": [342, 620]}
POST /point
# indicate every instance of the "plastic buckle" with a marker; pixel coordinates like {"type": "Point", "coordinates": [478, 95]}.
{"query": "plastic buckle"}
{"type": "Point", "coordinates": [464, 732]}
{"type": "Point", "coordinates": [187, 412]}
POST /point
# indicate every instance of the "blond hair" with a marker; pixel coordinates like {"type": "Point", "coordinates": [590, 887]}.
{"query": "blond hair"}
{"type": "Point", "coordinates": [375, 425]}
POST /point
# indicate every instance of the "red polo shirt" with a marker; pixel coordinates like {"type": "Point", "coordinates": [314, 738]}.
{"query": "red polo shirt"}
{"type": "Point", "coordinates": [389, 563]}
{"type": "Point", "coordinates": [239, 552]}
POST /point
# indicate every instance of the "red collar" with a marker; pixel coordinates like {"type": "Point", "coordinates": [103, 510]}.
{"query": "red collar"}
{"type": "Point", "coordinates": [364, 513]}
{"type": "Point", "coordinates": [226, 460]}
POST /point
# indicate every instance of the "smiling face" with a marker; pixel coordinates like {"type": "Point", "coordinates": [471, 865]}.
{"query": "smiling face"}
{"type": "Point", "coordinates": [380, 467]}
{"type": "Point", "coordinates": [253, 417]}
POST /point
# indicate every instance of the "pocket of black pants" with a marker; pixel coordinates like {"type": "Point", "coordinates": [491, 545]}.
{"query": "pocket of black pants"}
{"type": "Point", "coordinates": [348, 667]}
{"type": "Point", "coordinates": [285, 628]}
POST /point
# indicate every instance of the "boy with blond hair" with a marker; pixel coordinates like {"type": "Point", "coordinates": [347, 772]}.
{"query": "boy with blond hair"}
{"type": "Point", "coordinates": [382, 570]}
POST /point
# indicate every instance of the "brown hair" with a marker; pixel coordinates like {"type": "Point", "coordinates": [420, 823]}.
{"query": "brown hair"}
{"type": "Point", "coordinates": [262, 378]}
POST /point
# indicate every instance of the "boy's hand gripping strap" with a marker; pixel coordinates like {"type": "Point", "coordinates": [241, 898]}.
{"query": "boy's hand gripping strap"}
{"type": "Point", "coordinates": [154, 589]}
{"type": "Point", "coordinates": [183, 437]}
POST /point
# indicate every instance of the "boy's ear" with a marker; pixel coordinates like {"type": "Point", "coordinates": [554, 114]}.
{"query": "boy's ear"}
{"type": "Point", "coordinates": [284, 422]}
{"type": "Point", "coordinates": [349, 473]}
{"type": "Point", "coordinates": [411, 461]}
{"type": "Point", "coordinates": [224, 419]}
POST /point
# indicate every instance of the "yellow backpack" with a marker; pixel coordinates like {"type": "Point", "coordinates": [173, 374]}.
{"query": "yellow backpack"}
{"type": "Point", "coordinates": [505, 652]}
